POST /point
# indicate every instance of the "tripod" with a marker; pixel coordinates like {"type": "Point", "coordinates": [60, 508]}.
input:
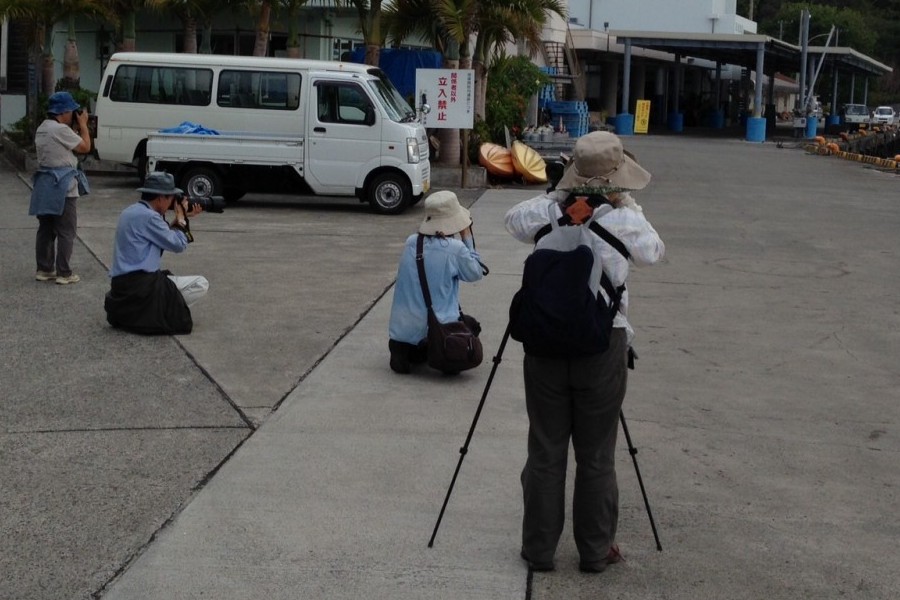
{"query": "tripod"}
{"type": "Point", "coordinates": [465, 447]}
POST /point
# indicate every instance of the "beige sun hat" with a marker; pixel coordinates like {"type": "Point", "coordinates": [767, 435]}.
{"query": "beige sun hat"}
{"type": "Point", "coordinates": [600, 161]}
{"type": "Point", "coordinates": [444, 215]}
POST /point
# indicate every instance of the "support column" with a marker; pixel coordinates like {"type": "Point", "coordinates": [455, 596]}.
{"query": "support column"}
{"type": "Point", "coordinates": [676, 117]}
{"type": "Point", "coordinates": [718, 115]}
{"type": "Point", "coordinates": [625, 120]}
{"type": "Point", "coordinates": [835, 117]}
{"type": "Point", "coordinates": [756, 125]}
{"type": "Point", "coordinates": [609, 91]}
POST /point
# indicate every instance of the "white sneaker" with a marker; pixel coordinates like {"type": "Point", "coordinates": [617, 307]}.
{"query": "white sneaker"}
{"type": "Point", "coordinates": [73, 278]}
{"type": "Point", "coordinates": [45, 275]}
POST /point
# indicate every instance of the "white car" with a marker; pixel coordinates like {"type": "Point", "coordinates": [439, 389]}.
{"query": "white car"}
{"type": "Point", "coordinates": [884, 115]}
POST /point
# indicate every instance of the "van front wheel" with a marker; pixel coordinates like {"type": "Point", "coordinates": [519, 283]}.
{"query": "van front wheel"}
{"type": "Point", "coordinates": [390, 194]}
{"type": "Point", "coordinates": [201, 182]}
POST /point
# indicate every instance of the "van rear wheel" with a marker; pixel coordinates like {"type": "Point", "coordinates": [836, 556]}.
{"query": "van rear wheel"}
{"type": "Point", "coordinates": [201, 182]}
{"type": "Point", "coordinates": [390, 194]}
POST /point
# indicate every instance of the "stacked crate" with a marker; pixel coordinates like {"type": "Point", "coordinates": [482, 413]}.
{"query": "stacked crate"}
{"type": "Point", "coordinates": [574, 116]}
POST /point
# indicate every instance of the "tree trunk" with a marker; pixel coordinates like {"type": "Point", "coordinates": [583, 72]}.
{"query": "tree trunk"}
{"type": "Point", "coordinates": [71, 68]}
{"type": "Point", "coordinates": [373, 34]}
{"type": "Point", "coordinates": [449, 138]}
{"type": "Point", "coordinates": [48, 78]}
{"type": "Point", "coordinates": [260, 48]}
{"type": "Point", "coordinates": [128, 35]}
{"type": "Point", "coordinates": [190, 35]}
{"type": "Point", "coordinates": [206, 43]}
{"type": "Point", "coordinates": [480, 88]}
{"type": "Point", "coordinates": [373, 54]}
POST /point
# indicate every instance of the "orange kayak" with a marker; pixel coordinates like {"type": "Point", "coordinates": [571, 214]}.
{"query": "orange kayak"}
{"type": "Point", "coordinates": [496, 159]}
{"type": "Point", "coordinates": [528, 163]}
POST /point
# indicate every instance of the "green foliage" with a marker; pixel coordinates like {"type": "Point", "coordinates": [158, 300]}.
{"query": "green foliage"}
{"type": "Point", "coordinates": [22, 131]}
{"type": "Point", "coordinates": [512, 81]}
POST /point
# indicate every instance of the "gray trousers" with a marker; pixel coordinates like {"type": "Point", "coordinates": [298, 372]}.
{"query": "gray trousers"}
{"type": "Point", "coordinates": [56, 239]}
{"type": "Point", "coordinates": [580, 399]}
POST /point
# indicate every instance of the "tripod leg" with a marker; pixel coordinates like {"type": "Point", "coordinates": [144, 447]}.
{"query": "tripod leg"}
{"type": "Point", "coordinates": [633, 452]}
{"type": "Point", "coordinates": [465, 447]}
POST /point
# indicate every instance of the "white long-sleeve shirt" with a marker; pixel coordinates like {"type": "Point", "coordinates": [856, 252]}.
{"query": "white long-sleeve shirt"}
{"type": "Point", "coordinates": [627, 223]}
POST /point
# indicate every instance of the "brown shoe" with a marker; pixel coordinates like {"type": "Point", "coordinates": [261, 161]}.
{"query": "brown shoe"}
{"type": "Point", "coordinates": [612, 557]}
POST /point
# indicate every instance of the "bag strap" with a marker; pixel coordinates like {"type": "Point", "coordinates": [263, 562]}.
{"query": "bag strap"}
{"type": "Point", "coordinates": [420, 267]}
{"type": "Point", "coordinates": [423, 280]}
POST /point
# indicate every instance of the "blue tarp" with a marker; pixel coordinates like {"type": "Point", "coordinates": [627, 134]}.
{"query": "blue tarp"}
{"type": "Point", "coordinates": [400, 65]}
{"type": "Point", "coordinates": [188, 127]}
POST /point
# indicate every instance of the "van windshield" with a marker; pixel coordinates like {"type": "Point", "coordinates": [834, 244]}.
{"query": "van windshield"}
{"type": "Point", "coordinates": [856, 109]}
{"type": "Point", "coordinates": [397, 108]}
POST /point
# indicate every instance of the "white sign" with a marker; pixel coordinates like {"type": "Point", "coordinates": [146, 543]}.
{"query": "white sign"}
{"type": "Point", "coordinates": [451, 95]}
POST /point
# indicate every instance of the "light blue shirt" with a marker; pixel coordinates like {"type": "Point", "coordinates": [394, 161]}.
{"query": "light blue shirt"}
{"type": "Point", "coordinates": [447, 262]}
{"type": "Point", "coordinates": [141, 236]}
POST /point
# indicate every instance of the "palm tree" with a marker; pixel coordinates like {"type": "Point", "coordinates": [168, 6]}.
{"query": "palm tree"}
{"type": "Point", "coordinates": [501, 22]}
{"type": "Point", "coordinates": [263, 11]}
{"type": "Point", "coordinates": [293, 42]}
{"type": "Point", "coordinates": [39, 17]}
{"type": "Point", "coordinates": [124, 16]}
{"type": "Point", "coordinates": [193, 14]}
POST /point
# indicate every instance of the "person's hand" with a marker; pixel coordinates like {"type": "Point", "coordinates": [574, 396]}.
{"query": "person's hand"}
{"type": "Point", "coordinates": [82, 117]}
{"type": "Point", "coordinates": [466, 233]}
{"type": "Point", "coordinates": [180, 208]}
{"type": "Point", "coordinates": [195, 209]}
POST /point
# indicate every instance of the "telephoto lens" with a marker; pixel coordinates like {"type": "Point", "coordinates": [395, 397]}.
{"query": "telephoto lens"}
{"type": "Point", "coordinates": [213, 204]}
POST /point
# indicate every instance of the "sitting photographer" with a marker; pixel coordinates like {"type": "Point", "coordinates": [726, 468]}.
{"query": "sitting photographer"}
{"type": "Point", "coordinates": [143, 298]}
{"type": "Point", "coordinates": [449, 257]}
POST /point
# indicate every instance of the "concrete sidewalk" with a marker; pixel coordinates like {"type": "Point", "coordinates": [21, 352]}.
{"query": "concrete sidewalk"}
{"type": "Point", "coordinates": [763, 406]}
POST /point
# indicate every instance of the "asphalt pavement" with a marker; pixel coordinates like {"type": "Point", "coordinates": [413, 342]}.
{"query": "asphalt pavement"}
{"type": "Point", "coordinates": [272, 453]}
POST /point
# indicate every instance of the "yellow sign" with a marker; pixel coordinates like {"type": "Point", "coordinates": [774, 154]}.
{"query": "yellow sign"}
{"type": "Point", "coordinates": [642, 116]}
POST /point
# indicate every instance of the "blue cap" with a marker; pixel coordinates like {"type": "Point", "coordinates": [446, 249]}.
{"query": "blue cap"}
{"type": "Point", "coordinates": [61, 102]}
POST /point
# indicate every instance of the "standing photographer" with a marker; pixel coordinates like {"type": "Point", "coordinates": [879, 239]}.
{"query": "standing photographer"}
{"type": "Point", "coordinates": [57, 184]}
{"type": "Point", "coordinates": [143, 298]}
{"type": "Point", "coordinates": [580, 397]}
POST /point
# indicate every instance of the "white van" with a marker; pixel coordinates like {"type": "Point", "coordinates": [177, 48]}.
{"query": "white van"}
{"type": "Point", "coordinates": [355, 134]}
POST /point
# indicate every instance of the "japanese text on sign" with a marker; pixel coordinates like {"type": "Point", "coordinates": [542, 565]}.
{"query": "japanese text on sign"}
{"type": "Point", "coordinates": [451, 95]}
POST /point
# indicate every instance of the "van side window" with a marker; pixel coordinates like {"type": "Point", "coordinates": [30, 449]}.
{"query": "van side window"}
{"type": "Point", "coordinates": [258, 89]}
{"type": "Point", "coordinates": [343, 103]}
{"type": "Point", "coordinates": [161, 85]}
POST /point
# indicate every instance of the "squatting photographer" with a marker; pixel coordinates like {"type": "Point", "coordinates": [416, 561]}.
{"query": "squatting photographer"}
{"type": "Point", "coordinates": [143, 298]}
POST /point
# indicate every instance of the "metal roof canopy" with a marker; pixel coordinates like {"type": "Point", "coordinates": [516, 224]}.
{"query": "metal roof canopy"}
{"type": "Point", "coordinates": [741, 48]}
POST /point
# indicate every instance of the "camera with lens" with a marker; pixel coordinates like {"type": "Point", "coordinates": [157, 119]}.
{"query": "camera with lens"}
{"type": "Point", "coordinates": [212, 204]}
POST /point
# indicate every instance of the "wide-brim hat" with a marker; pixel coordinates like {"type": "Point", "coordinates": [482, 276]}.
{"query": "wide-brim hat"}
{"type": "Point", "coordinates": [161, 184]}
{"type": "Point", "coordinates": [444, 215]}
{"type": "Point", "coordinates": [600, 161]}
{"type": "Point", "coordinates": [61, 102]}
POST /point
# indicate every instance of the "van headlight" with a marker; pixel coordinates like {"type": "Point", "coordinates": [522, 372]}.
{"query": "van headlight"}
{"type": "Point", "coordinates": [412, 150]}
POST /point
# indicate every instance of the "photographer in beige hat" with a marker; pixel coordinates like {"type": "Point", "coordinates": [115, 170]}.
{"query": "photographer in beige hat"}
{"type": "Point", "coordinates": [449, 257]}
{"type": "Point", "coordinates": [579, 397]}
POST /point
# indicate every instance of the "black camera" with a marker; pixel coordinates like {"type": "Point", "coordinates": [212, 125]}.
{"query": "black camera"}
{"type": "Point", "coordinates": [212, 204]}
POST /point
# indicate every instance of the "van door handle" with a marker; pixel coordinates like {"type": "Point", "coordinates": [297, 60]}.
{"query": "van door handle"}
{"type": "Point", "coordinates": [319, 129]}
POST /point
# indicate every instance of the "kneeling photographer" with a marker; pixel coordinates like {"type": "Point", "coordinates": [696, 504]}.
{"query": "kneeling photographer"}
{"type": "Point", "coordinates": [143, 298]}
